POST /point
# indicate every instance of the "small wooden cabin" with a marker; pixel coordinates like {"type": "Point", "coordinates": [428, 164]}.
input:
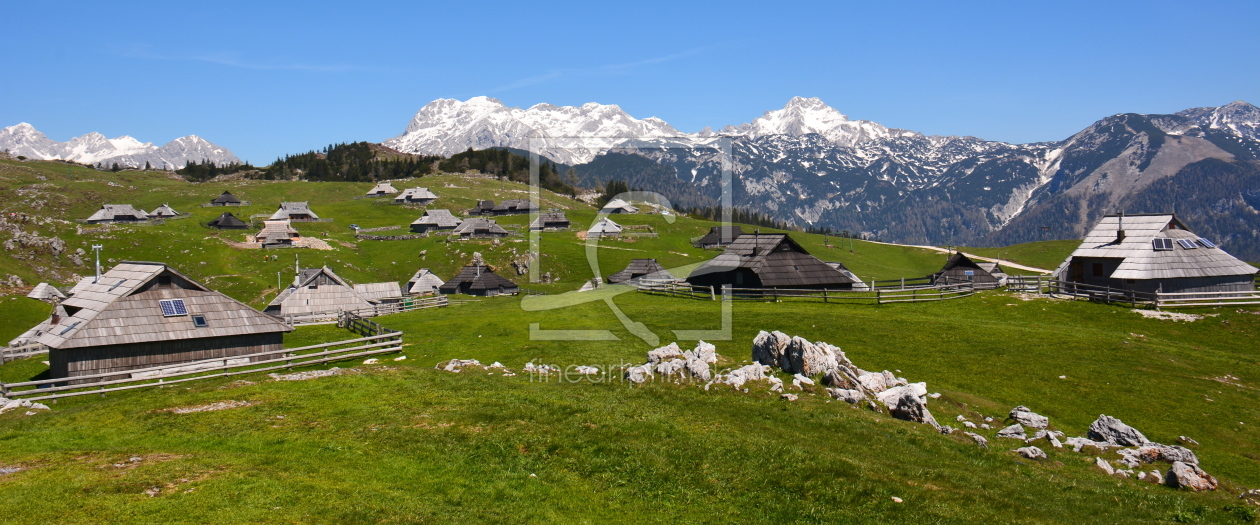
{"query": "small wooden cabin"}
{"type": "Point", "coordinates": [381, 189]}
{"type": "Point", "coordinates": [420, 196]}
{"type": "Point", "coordinates": [640, 269]}
{"type": "Point", "coordinates": [550, 221]}
{"type": "Point", "coordinates": [962, 269]}
{"type": "Point", "coordinates": [165, 211]}
{"type": "Point", "coordinates": [1154, 253]}
{"type": "Point", "coordinates": [226, 199]}
{"type": "Point", "coordinates": [435, 220]}
{"type": "Point", "coordinates": [424, 282]}
{"type": "Point", "coordinates": [605, 228]}
{"type": "Point", "coordinates": [769, 261]}
{"type": "Point", "coordinates": [46, 292]}
{"type": "Point", "coordinates": [478, 279]}
{"type": "Point", "coordinates": [317, 291]}
{"type": "Point", "coordinates": [143, 314]}
{"type": "Point", "coordinates": [294, 211]}
{"type": "Point", "coordinates": [514, 207]}
{"type": "Point", "coordinates": [482, 208]}
{"type": "Point", "coordinates": [478, 228]}
{"type": "Point", "coordinates": [116, 213]}
{"type": "Point", "coordinates": [227, 221]}
{"type": "Point", "coordinates": [718, 236]}
{"type": "Point", "coordinates": [276, 234]}
{"type": "Point", "coordinates": [619, 206]}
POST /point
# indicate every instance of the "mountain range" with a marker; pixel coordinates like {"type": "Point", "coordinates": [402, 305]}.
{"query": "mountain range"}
{"type": "Point", "coordinates": [93, 148]}
{"type": "Point", "coordinates": [810, 165]}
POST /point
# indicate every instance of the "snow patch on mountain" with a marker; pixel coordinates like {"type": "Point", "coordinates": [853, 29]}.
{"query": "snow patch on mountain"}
{"type": "Point", "coordinates": [94, 148]}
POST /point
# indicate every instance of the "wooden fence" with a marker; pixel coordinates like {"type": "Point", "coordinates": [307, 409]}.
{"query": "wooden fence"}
{"type": "Point", "coordinates": [404, 304]}
{"type": "Point", "coordinates": [205, 369]}
{"type": "Point", "coordinates": [1040, 284]}
{"type": "Point", "coordinates": [876, 296]}
{"type": "Point", "coordinates": [21, 352]}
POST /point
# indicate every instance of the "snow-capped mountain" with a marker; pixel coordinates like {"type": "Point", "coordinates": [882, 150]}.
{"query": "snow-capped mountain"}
{"type": "Point", "coordinates": [94, 148]}
{"type": "Point", "coordinates": [568, 134]}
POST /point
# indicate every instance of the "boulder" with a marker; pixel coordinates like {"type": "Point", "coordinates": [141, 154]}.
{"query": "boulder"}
{"type": "Point", "coordinates": [669, 367]}
{"type": "Point", "coordinates": [789, 397]}
{"type": "Point", "coordinates": [768, 347]}
{"type": "Point", "coordinates": [1106, 467]}
{"type": "Point", "coordinates": [947, 430]}
{"type": "Point", "coordinates": [1186, 441]}
{"type": "Point", "coordinates": [892, 396]}
{"type": "Point", "coordinates": [669, 351]}
{"type": "Point", "coordinates": [706, 352]}
{"type": "Point", "coordinates": [804, 357]}
{"type": "Point", "coordinates": [804, 380]}
{"type": "Point", "coordinates": [874, 382]}
{"type": "Point", "coordinates": [1190, 476]}
{"type": "Point", "coordinates": [969, 424]}
{"type": "Point", "coordinates": [736, 378]}
{"type": "Point", "coordinates": [639, 374]}
{"type": "Point", "coordinates": [1154, 477]}
{"type": "Point", "coordinates": [1251, 496]}
{"type": "Point", "coordinates": [1167, 453]}
{"type": "Point", "coordinates": [776, 384]}
{"type": "Point", "coordinates": [699, 369]}
{"type": "Point", "coordinates": [1022, 415]}
{"type": "Point", "coordinates": [838, 379]}
{"type": "Point", "coordinates": [980, 440]}
{"type": "Point", "coordinates": [851, 397]}
{"type": "Point", "coordinates": [1108, 429]}
{"type": "Point", "coordinates": [1031, 452]}
{"type": "Point", "coordinates": [910, 407]}
{"type": "Point", "coordinates": [582, 370]}
{"type": "Point", "coordinates": [1013, 432]}
{"type": "Point", "coordinates": [1078, 443]}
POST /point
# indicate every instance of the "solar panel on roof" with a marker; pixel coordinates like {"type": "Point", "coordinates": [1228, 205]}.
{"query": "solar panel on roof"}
{"type": "Point", "coordinates": [172, 307]}
{"type": "Point", "coordinates": [1187, 244]}
{"type": "Point", "coordinates": [1162, 244]}
{"type": "Point", "coordinates": [1206, 243]}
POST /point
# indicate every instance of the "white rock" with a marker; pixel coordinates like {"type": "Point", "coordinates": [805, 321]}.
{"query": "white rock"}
{"type": "Point", "coordinates": [706, 352]}
{"type": "Point", "coordinates": [1031, 453]}
{"type": "Point", "coordinates": [371, 361]}
{"type": "Point", "coordinates": [851, 397]}
{"type": "Point", "coordinates": [1106, 467]}
{"type": "Point", "coordinates": [969, 424]}
{"type": "Point", "coordinates": [980, 440]}
{"type": "Point", "coordinates": [669, 351]}
{"type": "Point", "coordinates": [1022, 415]}
{"type": "Point", "coordinates": [789, 397]}
{"type": "Point", "coordinates": [1015, 431]}
{"type": "Point", "coordinates": [639, 374]}
{"type": "Point", "coordinates": [804, 380]}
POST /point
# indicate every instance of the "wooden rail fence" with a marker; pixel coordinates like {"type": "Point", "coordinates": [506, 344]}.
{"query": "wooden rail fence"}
{"type": "Point", "coordinates": [1050, 286]}
{"type": "Point", "coordinates": [204, 369]}
{"type": "Point", "coordinates": [21, 352]}
{"type": "Point", "coordinates": [876, 296]}
{"type": "Point", "coordinates": [404, 304]}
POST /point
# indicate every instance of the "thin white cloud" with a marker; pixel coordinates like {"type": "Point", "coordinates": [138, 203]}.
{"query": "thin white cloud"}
{"type": "Point", "coordinates": [231, 60]}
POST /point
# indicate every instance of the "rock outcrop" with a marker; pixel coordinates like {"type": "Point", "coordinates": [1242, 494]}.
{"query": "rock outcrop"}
{"type": "Point", "coordinates": [1190, 476]}
{"type": "Point", "coordinates": [1108, 429]}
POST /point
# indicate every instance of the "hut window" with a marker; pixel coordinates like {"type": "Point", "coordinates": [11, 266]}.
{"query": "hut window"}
{"type": "Point", "coordinates": [164, 280]}
{"type": "Point", "coordinates": [199, 321]}
{"type": "Point", "coordinates": [173, 307]}
{"type": "Point", "coordinates": [1098, 270]}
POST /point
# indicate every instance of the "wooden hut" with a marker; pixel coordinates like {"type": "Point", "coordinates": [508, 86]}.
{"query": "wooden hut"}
{"type": "Point", "coordinates": [165, 211]}
{"type": "Point", "coordinates": [420, 196]}
{"type": "Point", "coordinates": [116, 213]}
{"type": "Point", "coordinates": [381, 189]}
{"type": "Point", "coordinates": [962, 269]}
{"type": "Point", "coordinates": [550, 221]}
{"type": "Point", "coordinates": [769, 261]}
{"type": "Point", "coordinates": [605, 228]}
{"type": "Point", "coordinates": [227, 221]}
{"type": "Point", "coordinates": [276, 234]}
{"type": "Point", "coordinates": [46, 292]}
{"type": "Point", "coordinates": [478, 279]}
{"type": "Point", "coordinates": [718, 236]}
{"type": "Point", "coordinates": [380, 293]}
{"type": "Point", "coordinates": [1154, 253]}
{"type": "Point", "coordinates": [619, 206]}
{"type": "Point", "coordinates": [424, 282]}
{"type": "Point", "coordinates": [478, 228]}
{"type": "Point", "coordinates": [640, 269]}
{"type": "Point", "coordinates": [294, 211]}
{"type": "Point", "coordinates": [514, 207]}
{"type": "Point", "coordinates": [143, 314]}
{"type": "Point", "coordinates": [435, 220]}
{"type": "Point", "coordinates": [226, 199]}
{"type": "Point", "coordinates": [482, 208]}
{"type": "Point", "coordinates": [317, 291]}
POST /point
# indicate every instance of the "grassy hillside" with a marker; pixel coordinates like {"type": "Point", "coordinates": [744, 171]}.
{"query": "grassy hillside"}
{"type": "Point", "coordinates": [403, 442]}
{"type": "Point", "coordinates": [53, 195]}
{"type": "Point", "coordinates": [1041, 254]}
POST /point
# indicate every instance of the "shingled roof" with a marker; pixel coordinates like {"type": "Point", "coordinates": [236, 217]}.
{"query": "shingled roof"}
{"type": "Point", "coordinates": [276, 231]}
{"type": "Point", "coordinates": [605, 226]}
{"type": "Point", "coordinates": [227, 221]}
{"type": "Point", "coordinates": [45, 292]}
{"type": "Point", "coordinates": [163, 211]}
{"type": "Point", "coordinates": [416, 195]}
{"type": "Point", "coordinates": [226, 198]}
{"type": "Point", "coordinates": [550, 219]}
{"type": "Point", "coordinates": [1194, 258]}
{"type": "Point", "coordinates": [512, 206]}
{"type": "Point", "coordinates": [423, 282]}
{"type": "Point", "coordinates": [776, 259]}
{"type": "Point", "coordinates": [719, 236]}
{"type": "Point", "coordinates": [479, 226]}
{"type": "Point", "coordinates": [382, 188]}
{"type": "Point", "coordinates": [476, 278]}
{"type": "Point", "coordinates": [640, 269]}
{"type": "Point", "coordinates": [315, 291]}
{"type": "Point", "coordinates": [118, 212]}
{"type": "Point", "coordinates": [288, 209]}
{"type": "Point", "coordinates": [619, 206]}
{"type": "Point", "coordinates": [123, 307]}
{"type": "Point", "coordinates": [437, 219]}
{"type": "Point", "coordinates": [377, 292]}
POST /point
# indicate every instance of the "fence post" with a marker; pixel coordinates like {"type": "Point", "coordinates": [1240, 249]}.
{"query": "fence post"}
{"type": "Point", "coordinates": [903, 283]}
{"type": "Point", "coordinates": [824, 295]}
{"type": "Point", "coordinates": [877, 301]}
{"type": "Point", "coordinates": [712, 293]}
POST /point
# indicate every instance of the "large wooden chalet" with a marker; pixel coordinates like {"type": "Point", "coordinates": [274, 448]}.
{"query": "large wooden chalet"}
{"type": "Point", "coordinates": [769, 261]}
{"type": "Point", "coordinates": [1154, 253]}
{"type": "Point", "coordinates": [143, 314]}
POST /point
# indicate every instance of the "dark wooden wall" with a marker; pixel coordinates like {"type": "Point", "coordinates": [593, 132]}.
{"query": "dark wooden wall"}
{"type": "Point", "coordinates": [117, 358]}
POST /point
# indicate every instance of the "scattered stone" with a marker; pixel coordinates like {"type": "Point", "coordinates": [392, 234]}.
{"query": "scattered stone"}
{"type": "Point", "coordinates": [457, 365]}
{"type": "Point", "coordinates": [586, 370]}
{"type": "Point", "coordinates": [1186, 441]}
{"type": "Point", "coordinates": [371, 361]}
{"type": "Point", "coordinates": [980, 440]}
{"type": "Point", "coordinates": [988, 420]}
{"type": "Point", "coordinates": [667, 352]}
{"type": "Point", "coordinates": [1031, 453]}
{"type": "Point", "coordinates": [1154, 477]}
{"type": "Point", "coordinates": [851, 397]}
{"type": "Point", "coordinates": [776, 384]}
{"type": "Point", "coordinates": [1106, 467]}
{"type": "Point", "coordinates": [309, 374]}
{"type": "Point", "coordinates": [789, 397]}
{"type": "Point", "coordinates": [985, 426]}
{"type": "Point", "coordinates": [736, 378]}
{"type": "Point", "coordinates": [804, 380]}
{"type": "Point", "coordinates": [1015, 431]}
{"type": "Point", "coordinates": [946, 429]}
{"type": "Point", "coordinates": [1124, 474]}
{"type": "Point", "coordinates": [896, 499]}
{"type": "Point", "coordinates": [1079, 443]}
{"type": "Point", "coordinates": [540, 369]}
{"type": "Point", "coordinates": [1189, 476]}
{"type": "Point", "coordinates": [401, 358]}
{"type": "Point", "coordinates": [935, 395]}
{"type": "Point", "coordinates": [1028, 418]}
{"type": "Point", "coordinates": [969, 424]}
{"type": "Point", "coordinates": [960, 418]}
{"type": "Point", "coordinates": [639, 374]}
{"type": "Point", "coordinates": [1111, 430]}
{"type": "Point", "coordinates": [13, 404]}
{"type": "Point", "coordinates": [706, 352]}
{"type": "Point", "coordinates": [1251, 496]}
{"type": "Point", "coordinates": [911, 406]}
{"type": "Point", "coordinates": [1167, 453]}
{"type": "Point", "coordinates": [221, 405]}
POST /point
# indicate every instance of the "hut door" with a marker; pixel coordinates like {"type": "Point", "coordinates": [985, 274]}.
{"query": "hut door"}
{"type": "Point", "coordinates": [1076, 272]}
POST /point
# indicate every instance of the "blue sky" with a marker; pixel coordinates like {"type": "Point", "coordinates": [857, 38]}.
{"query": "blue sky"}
{"type": "Point", "coordinates": [265, 79]}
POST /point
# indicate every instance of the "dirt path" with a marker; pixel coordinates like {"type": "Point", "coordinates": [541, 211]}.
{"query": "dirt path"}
{"type": "Point", "coordinates": [1003, 262]}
